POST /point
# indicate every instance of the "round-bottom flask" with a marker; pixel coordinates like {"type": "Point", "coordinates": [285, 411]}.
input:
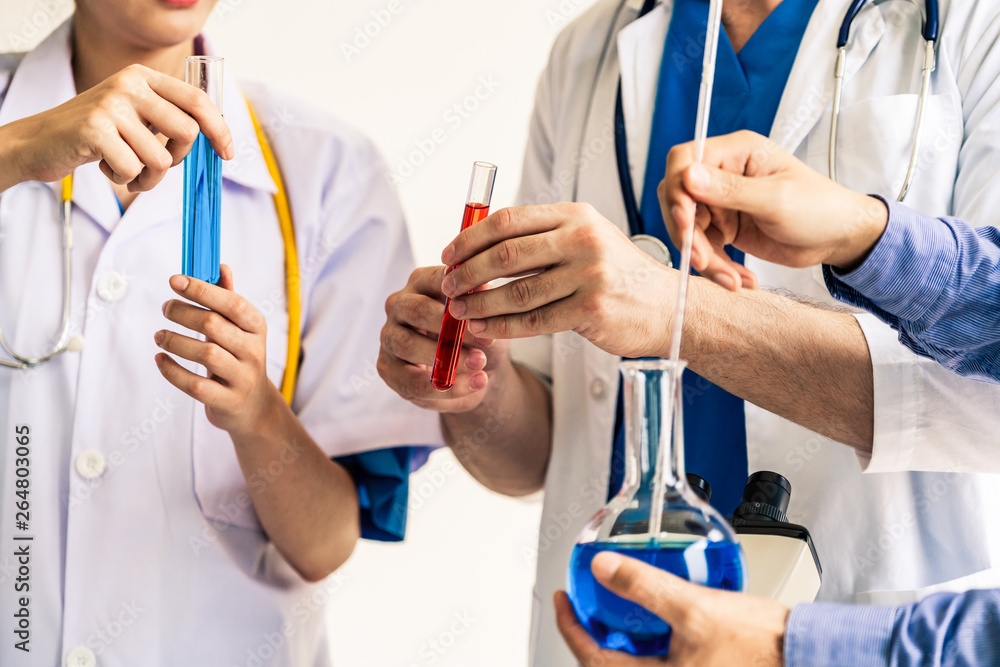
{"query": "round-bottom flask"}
{"type": "Point", "coordinates": [692, 539]}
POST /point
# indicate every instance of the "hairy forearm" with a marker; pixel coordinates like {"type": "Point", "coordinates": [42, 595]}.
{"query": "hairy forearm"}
{"type": "Point", "coordinates": [506, 441]}
{"type": "Point", "coordinates": [307, 504]}
{"type": "Point", "coordinates": [806, 364]}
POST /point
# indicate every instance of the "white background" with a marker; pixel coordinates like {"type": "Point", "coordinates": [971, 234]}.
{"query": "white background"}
{"type": "Point", "coordinates": [457, 593]}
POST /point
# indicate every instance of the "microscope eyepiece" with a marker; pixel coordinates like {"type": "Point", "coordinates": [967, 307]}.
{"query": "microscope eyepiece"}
{"type": "Point", "coordinates": [701, 488]}
{"type": "Point", "coordinates": [765, 497]}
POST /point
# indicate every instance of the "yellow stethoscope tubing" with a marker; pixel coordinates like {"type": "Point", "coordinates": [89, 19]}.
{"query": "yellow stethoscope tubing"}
{"type": "Point", "coordinates": [293, 284]}
{"type": "Point", "coordinates": [292, 276]}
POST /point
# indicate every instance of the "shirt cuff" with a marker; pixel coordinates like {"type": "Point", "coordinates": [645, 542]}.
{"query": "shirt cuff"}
{"type": "Point", "coordinates": [824, 634]}
{"type": "Point", "coordinates": [907, 270]}
{"type": "Point", "coordinates": [382, 478]}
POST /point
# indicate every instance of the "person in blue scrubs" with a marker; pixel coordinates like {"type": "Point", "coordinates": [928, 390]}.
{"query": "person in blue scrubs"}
{"type": "Point", "coordinates": [749, 83]}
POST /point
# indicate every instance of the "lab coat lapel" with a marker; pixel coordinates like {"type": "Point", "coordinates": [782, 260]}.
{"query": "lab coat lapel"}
{"type": "Point", "coordinates": [44, 80]}
{"type": "Point", "coordinates": [809, 91]}
{"type": "Point", "coordinates": [640, 50]}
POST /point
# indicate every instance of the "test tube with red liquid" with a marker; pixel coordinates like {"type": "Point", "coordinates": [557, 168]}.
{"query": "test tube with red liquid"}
{"type": "Point", "coordinates": [449, 347]}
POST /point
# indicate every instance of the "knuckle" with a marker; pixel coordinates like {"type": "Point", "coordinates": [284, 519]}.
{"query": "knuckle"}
{"type": "Point", "coordinates": [199, 389]}
{"type": "Point", "coordinates": [503, 327]}
{"type": "Point", "coordinates": [521, 293]}
{"type": "Point", "coordinates": [505, 220]}
{"type": "Point", "coordinates": [508, 254]}
{"type": "Point", "coordinates": [535, 320]}
{"type": "Point", "coordinates": [212, 324]}
{"type": "Point", "coordinates": [162, 161]}
{"type": "Point", "coordinates": [401, 342]}
{"type": "Point", "coordinates": [410, 310]}
{"type": "Point", "coordinates": [391, 304]}
{"type": "Point", "coordinates": [189, 130]}
{"type": "Point", "coordinates": [212, 355]}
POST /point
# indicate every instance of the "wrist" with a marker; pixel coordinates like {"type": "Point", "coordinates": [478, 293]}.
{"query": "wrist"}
{"type": "Point", "coordinates": [12, 156]}
{"type": "Point", "coordinates": [266, 420]}
{"type": "Point", "coordinates": [873, 216]}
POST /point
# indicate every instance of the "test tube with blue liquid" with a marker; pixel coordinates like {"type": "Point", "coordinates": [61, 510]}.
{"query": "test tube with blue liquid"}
{"type": "Point", "coordinates": [203, 184]}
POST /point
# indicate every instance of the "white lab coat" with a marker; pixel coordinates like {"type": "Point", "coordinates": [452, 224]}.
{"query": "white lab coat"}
{"type": "Point", "coordinates": [161, 560]}
{"type": "Point", "coordinates": [884, 536]}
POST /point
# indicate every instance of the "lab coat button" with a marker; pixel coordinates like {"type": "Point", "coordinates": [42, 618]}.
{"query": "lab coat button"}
{"type": "Point", "coordinates": [112, 287]}
{"type": "Point", "coordinates": [81, 656]}
{"type": "Point", "coordinates": [90, 464]}
{"type": "Point", "coordinates": [597, 389]}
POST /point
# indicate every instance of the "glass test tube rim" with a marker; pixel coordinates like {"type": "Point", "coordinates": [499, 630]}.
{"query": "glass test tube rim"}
{"type": "Point", "coordinates": [483, 173]}
{"type": "Point", "coordinates": [213, 68]}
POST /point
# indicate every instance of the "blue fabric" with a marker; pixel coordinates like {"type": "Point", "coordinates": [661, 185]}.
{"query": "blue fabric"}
{"type": "Point", "coordinates": [747, 92]}
{"type": "Point", "coordinates": [937, 282]}
{"type": "Point", "coordinates": [382, 477]}
{"type": "Point", "coordinates": [942, 629]}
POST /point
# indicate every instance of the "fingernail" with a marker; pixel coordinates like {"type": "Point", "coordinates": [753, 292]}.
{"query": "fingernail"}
{"type": "Point", "coordinates": [159, 360]}
{"type": "Point", "coordinates": [677, 213]}
{"type": "Point", "coordinates": [163, 308]}
{"type": "Point", "coordinates": [605, 564]}
{"type": "Point", "coordinates": [179, 283]}
{"type": "Point", "coordinates": [448, 285]}
{"type": "Point", "coordinates": [159, 336]}
{"type": "Point", "coordinates": [478, 381]}
{"type": "Point", "coordinates": [700, 178]}
{"type": "Point", "coordinates": [726, 281]}
{"type": "Point", "coordinates": [476, 360]}
{"type": "Point", "coordinates": [477, 326]}
{"type": "Point", "coordinates": [458, 308]}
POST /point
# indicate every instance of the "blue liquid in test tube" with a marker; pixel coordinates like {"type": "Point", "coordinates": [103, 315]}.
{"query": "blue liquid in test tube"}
{"type": "Point", "coordinates": [203, 185]}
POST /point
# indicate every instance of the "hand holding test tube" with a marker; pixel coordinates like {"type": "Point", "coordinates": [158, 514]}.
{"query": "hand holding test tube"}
{"type": "Point", "coordinates": [201, 257]}
{"type": "Point", "coordinates": [449, 347]}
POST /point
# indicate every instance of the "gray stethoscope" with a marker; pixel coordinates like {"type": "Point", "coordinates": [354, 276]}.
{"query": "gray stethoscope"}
{"type": "Point", "coordinates": [930, 34]}
{"type": "Point", "coordinates": [654, 246]}
{"type": "Point", "coordinates": [64, 343]}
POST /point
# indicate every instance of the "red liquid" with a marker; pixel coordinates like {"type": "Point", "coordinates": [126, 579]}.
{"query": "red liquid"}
{"type": "Point", "coordinates": [452, 331]}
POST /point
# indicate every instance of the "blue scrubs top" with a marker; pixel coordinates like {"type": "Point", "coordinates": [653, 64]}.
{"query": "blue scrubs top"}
{"type": "Point", "coordinates": [748, 89]}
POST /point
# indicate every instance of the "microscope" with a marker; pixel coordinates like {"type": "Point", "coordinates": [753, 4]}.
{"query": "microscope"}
{"type": "Point", "coordinates": [782, 563]}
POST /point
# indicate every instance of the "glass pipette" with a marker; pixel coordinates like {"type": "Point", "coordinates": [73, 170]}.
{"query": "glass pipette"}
{"type": "Point", "coordinates": [700, 135]}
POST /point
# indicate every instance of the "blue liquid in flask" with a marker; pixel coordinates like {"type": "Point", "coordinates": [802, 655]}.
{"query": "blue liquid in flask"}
{"type": "Point", "coordinates": [621, 625]}
{"type": "Point", "coordinates": [202, 212]}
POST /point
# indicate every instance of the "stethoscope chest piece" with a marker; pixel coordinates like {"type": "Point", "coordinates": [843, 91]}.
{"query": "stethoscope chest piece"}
{"type": "Point", "coordinates": [654, 247]}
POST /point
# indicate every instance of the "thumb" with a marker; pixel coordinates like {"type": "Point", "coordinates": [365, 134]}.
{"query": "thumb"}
{"type": "Point", "coordinates": [660, 592]}
{"type": "Point", "coordinates": [725, 189]}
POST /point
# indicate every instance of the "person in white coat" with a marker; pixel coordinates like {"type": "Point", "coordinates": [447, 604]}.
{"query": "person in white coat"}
{"type": "Point", "coordinates": [891, 516]}
{"type": "Point", "coordinates": [155, 530]}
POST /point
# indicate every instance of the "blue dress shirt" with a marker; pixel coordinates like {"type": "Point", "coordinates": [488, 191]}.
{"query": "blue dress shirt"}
{"type": "Point", "coordinates": [943, 629]}
{"type": "Point", "coordinates": [937, 282]}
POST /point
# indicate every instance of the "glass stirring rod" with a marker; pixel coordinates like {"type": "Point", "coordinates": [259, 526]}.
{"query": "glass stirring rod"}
{"type": "Point", "coordinates": [700, 135]}
{"type": "Point", "coordinates": [449, 347]}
